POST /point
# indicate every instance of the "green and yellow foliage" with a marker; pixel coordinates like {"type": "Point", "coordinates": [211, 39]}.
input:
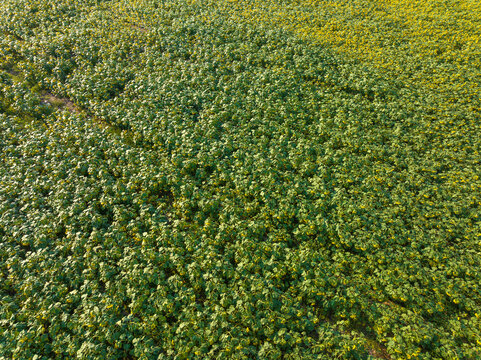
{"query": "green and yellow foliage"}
{"type": "Point", "coordinates": [240, 179]}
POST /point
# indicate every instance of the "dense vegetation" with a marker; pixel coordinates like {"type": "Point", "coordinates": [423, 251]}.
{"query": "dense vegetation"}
{"type": "Point", "coordinates": [240, 179]}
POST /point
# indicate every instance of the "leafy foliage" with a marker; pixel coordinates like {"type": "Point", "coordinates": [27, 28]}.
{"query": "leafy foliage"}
{"type": "Point", "coordinates": [227, 188]}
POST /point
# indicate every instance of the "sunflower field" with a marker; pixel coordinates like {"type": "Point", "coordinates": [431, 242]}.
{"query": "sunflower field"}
{"type": "Point", "coordinates": [240, 179]}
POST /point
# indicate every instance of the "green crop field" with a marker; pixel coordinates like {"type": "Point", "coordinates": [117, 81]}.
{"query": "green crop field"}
{"type": "Point", "coordinates": [240, 179]}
